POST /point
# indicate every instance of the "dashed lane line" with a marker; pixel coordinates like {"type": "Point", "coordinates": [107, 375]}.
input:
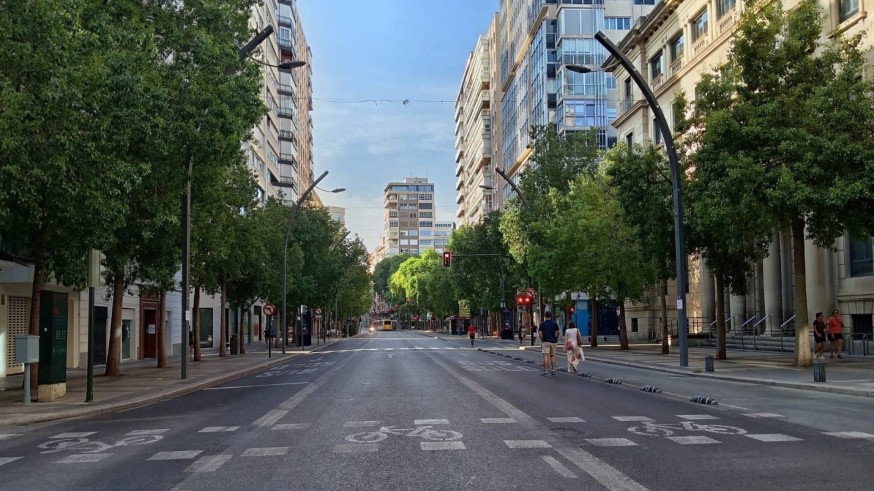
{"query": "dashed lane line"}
{"type": "Point", "coordinates": [271, 417]}
{"type": "Point", "coordinates": [558, 467]}
{"type": "Point", "coordinates": [442, 446]}
{"type": "Point", "coordinates": [693, 440]}
{"type": "Point", "coordinates": [209, 463]}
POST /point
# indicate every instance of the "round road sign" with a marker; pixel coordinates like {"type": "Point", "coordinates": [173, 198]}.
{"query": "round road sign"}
{"type": "Point", "coordinates": [269, 309]}
{"type": "Point", "coordinates": [318, 311]}
{"type": "Point", "coordinates": [531, 292]}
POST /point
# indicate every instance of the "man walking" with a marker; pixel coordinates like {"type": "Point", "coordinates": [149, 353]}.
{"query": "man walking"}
{"type": "Point", "coordinates": [835, 334]}
{"type": "Point", "coordinates": [548, 339]}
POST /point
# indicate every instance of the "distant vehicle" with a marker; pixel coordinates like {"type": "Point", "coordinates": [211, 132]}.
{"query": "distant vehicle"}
{"type": "Point", "coordinates": [388, 325]}
{"type": "Point", "coordinates": [372, 329]}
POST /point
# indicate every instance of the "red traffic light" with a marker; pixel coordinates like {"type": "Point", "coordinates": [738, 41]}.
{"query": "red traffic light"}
{"type": "Point", "coordinates": [447, 259]}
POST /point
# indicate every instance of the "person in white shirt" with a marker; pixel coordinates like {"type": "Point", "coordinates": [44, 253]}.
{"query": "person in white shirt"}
{"type": "Point", "coordinates": [573, 345]}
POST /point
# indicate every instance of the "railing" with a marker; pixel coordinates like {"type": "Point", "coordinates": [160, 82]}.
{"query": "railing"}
{"type": "Point", "coordinates": [712, 329]}
{"type": "Point", "coordinates": [783, 330]}
{"type": "Point", "coordinates": [285, 20]}
{"type": "Point", "coordinates": [863, 339]}
{"type": "Point", "coordinates": [657, 81]}
{"type": "Point", "coordinates": [727, 20]}
{"type": "Point", "coordinates": [742, 331]}
{"type": "Point", "coordinates": [285, 88]}
{"type": "Point", "coordinates": [625, 105]}
{"type": "Point", "coordinates": [677, 65]}
{"type": "Point", "coordinates": [699, 45]}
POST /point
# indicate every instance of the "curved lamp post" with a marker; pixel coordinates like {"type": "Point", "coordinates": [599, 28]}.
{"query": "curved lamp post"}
{"type": "Point", "coordinates": [665, 130]}
{"type": "Point", "coordinates": [294, 208]}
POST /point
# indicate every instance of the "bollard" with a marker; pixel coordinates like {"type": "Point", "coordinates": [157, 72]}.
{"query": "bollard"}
{"type": "Point", "coordinates": [818, 371]}
{"type": "Point", "coordinates": [708, 363]}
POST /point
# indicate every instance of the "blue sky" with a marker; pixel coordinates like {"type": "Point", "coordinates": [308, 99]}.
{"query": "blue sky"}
{"type": "Point", "coordinates": [368, 56]}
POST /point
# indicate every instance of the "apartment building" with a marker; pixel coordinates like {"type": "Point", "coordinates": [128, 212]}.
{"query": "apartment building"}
{"type": "Point", "coordinates": [842, 278]}
{"type": "Point", "coordinates": [410, 220]}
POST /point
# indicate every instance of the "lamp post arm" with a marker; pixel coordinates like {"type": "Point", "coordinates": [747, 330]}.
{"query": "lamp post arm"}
{"type": "Point", "coordinates": [512, 185]}
{"type": "Point", "coordinates": [255, 41]}
{"type": "Point", "coordinates": [680, 249]}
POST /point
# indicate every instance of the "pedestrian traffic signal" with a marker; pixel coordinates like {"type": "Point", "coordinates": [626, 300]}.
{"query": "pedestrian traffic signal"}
{"type": "Point", "coordinates": [523, 300]}
{"type": "Point", "coordinates": [447, 259]}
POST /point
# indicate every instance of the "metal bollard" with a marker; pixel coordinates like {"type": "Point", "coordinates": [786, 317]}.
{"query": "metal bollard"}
{"type": "Point", "coordinates": [818, 371]}
{"type": "Point", "coordinates": [708, 363]}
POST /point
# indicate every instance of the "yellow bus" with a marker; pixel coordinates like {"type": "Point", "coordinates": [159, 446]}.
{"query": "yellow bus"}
{"type": "Point", "coordinates": [387, 325]}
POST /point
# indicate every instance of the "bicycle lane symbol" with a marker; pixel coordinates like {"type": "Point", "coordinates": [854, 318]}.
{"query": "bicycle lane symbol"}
{"type": "Point", "coordinates": [425, 432]}
{"type": "Point", "coordinates": [667, 429]}
{"type": "Point", "coordinates": [86, 445]}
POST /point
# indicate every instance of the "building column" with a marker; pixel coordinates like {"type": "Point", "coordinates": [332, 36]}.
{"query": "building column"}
{"type": "Point", "coordinates": [815, 280]}
{"type": "Point", "coordinates": [773, 285]}
{"type": "Point", "coordinates": [738, 311]}
{"type": "Point", "coordinates": [708, 297]}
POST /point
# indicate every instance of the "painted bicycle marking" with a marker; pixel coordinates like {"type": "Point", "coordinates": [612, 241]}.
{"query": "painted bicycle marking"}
{"type": "Point", "coordinates": [668, 429]}
{"type": "Point", "coordinates": [493, 366]}
{"type": "Point", "coordinates": [86, 445]}
{"type": "Point", "coordinates": [426, 432]}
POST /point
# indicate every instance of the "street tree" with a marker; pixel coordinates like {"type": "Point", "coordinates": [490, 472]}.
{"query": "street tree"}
{"type": "Point", "coordinates": [782, 132]}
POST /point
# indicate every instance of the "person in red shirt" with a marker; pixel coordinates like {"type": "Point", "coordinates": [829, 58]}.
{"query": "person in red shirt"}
{"type": "Point", "coordinates": [471, 331]}
{"type": "Point", "coordinates": [835, 334]}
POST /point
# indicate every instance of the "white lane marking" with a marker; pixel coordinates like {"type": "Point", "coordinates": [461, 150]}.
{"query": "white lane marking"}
{"type": "Point", "coordinates": [356, 448]}
{"type": "Point", "coordinates": [360, 424]}
{"type": "Point", "coordinates": [632, 418]}
{"type": "Point", "coordinates": [442, 446]}
{"type": "Point", "coordinates": [177, 455]}
{"type": "Point", "coordinates": [498, 420]}
{"type": "Point", "coordinates": [558, 467]}
{"type": "Point", "coordinates": [271, 417]}
{"type": "Point", "coordinates": [773, 437]}
{"type": "Point", "coordinates": [571, 419]}
{"type": "Point", "coordinates": [217, 429]}
{"type": "Point", "coordinates": [764, 415]}
{"type": "Point", "coordinates": [609, 476]}
{"type": "Point", "coordinates": [693, 417]}
{"type": "Point", "coordinates": [420, 422]}
{"type": "Point", "coordinates": [693, 440]}
{"type": "Point", "coordinates": [6, 460]}
{"type": "Point", "coordinates": [849, 434]}
{"type": "Point", "coordinates": [527, 444]}
{"type": "Point", "coordinates": [292, 426]}
{"type": "Point", "coordinates": [83, 458]}
{"type": "Point", "coordinates": [255, 386]}
{"type": "Point", "coordinates": [74, 435]}
{"type": "Point", "coordinates": [265, 451]}
{"type": "Point", "coordinates": [296, 399]}
{"type": "Point", "coordinates": [156, 431]}
{"type": "Point", "coordinates": [611, 442]}
{"type": "Point", "coordinates": [601, 471]}
{"type": "Point", "coordinates": [389, 349]}
{"type": "Point", "coordinates": [7, 436]}
{"type": "Point", "coordinates": [208, 463]}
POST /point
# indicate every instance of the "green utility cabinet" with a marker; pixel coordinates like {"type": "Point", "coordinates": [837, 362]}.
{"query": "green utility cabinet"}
{"type": "Point", "coordinates": [52, 338]}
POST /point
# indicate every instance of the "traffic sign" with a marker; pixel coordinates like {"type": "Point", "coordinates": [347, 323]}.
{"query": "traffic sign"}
{"type": "Point", "coordinates": [269, 309]}
{"type": "Point", "coordinates": [318, 311]}
{"type": "Point", "coordinates": [531, 292]}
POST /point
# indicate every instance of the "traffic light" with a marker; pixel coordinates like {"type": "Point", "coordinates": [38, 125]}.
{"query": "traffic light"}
{"type": "Point", "coordinates": [447, 259]}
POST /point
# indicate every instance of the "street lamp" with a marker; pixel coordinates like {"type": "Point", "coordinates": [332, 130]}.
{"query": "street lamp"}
{"type": "Point", "coordinates": [294, 207]}
{"type": "Point", "coordinates": [665, 130]}
{"type": "Point", "coordinates": [244, 52]}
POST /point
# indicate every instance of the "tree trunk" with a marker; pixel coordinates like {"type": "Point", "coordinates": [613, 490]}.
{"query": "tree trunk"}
{"type": "Point", "coordinates": [593, 331]}
{"type": "Point", "coordinates": [195, 323]}
{"type": "Point", "coordinates": [223, 321]}
{"type": "Point", "coordinates": [623, 331]}
{"type": "Point", "coordinates": [241, 332]}
{"type": "Point", "coordinates": [113, 354]}
{"type": "Point", "coordinates": [33, 321]}
{"type": "Point", "coordinates": [162, 328]}
{"type": "Point", "coordinates": [720, 317]}
{"type": "Point", "coordinates": [663, 293]}
{"type": "Point", "coordinates": [803, 357]}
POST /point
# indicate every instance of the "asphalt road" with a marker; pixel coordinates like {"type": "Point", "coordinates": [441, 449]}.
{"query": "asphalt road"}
{"type": "Point", "coordinates": [399, 410]}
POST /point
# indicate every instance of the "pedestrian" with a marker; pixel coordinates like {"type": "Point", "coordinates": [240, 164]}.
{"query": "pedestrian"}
{"type": "Point", "coordinates": [835, 334]}
{"type": "Point", "coordinates": [819, 336]}
{"type": "Point", "coordinates": [191, 344]}
{"type": "Point", "coordinates": [572, 346]}
{"type": "Point", "coordinates": [548, 333]}
{"type": "Point", "coordinates": [471, 332]}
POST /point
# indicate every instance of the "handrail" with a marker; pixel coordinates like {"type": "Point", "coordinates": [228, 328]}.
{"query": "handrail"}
{"type": "Point", "coordinates": [787, 322]}
{"type": "Point", "coordinates": [747, 322]}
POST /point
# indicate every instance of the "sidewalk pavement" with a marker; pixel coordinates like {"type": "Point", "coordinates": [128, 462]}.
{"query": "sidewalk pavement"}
{"type": "Point", "coordinates": [852, 375]}
{"type": "Point", "coordinates": [141, 383]}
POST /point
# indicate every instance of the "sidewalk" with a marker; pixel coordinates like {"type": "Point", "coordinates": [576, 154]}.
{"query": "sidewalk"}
{"type": "Point", "coordinates": [852, 375]}
{"type": "Point", "coordinates": [141, 383]}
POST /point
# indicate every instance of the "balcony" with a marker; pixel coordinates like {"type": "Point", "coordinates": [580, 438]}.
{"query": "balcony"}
{"type": "Point", "coordinates": [285, 112]}
{"type": "Point", "coordinates": [699, 45]}
{"type": "Point", "coordinates": [284, 21]}
{"type": "Point", "coordinates": [284, 43]}
{"type": "Point", "coordinates": [727, 21]}
{"type": "Point", "coordinates": [285, 89]}
{"type": "Point", "coordinates": [676, 65]}
{"type": "Point", "coordinates": [625, 105]}
{"type": "Point", "coordinates": [459, 182]}
{"type": "Point", "coordinates": [283, 182]}
{"type": "Point", "coordinates": [458, 168]}
{"type": "Point", "coordinates": [657, 81]}
{"type": "Point", "coordinates": [288, 136]}
{"type": "Point", "coordinates": [459, 154]}
{"type": "Point", "coordinates": [288, 159]}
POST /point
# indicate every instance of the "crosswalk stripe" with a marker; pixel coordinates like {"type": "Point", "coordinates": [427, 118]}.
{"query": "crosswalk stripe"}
{"type": "Point", "coordinates": [498, 420]}
{"type": "Point", "coordinates": [693, 440]}
{"type": "Point", "coordinates": [265, 452]}
{"type": "Point", "coordinates": [849, 434]}
{"type": "Point", "coordinates": [291, 426]}
{"type": "Point", "coordinates": [693, 417]}
{"type": "Point", "coordinates": [83, 458]}
{"type": "Point", "coordinates": [271, 417]}
{"type": "Point", "coordinates": [527, 444]}
{"type": "Point", "coordinates": [176, 455]}
{"type": "Point", "coordinates": [217, 429]}
{"type": "Point", "coordinates": [611, 442]}
{"type": "Point", "coordinates": [558, 467]}
{"type": "Point", "coordinates": [773, 437]}
{"type": "Point", "coordinates": [147, 432]}
{"type": "Point", "coordinates": [633, 418]}
{"type": "Point", "coordinates": [442, 446]}
{"type": "Point", "coordinates": [208, 463]}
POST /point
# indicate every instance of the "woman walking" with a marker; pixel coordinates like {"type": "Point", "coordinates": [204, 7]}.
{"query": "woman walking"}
{"type": "Point", "coordinates": [573, 346]}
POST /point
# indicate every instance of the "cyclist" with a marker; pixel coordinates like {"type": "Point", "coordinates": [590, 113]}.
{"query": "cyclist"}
{"type": "Point", "coordinates": [471, 331]}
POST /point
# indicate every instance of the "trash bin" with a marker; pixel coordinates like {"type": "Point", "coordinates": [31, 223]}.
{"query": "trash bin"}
{"type": "Point", "coordinates": [818, 371]}
{"type": "Point", "coordinates": [235, 345]}
{"type": "Point", "coordinates": [708, 363]}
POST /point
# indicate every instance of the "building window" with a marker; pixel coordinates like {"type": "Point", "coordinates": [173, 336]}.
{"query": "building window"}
{"type": "Point", "coordinates": [629, 140]}
{"type": "Point", "coordinates": [861, 256]}
{"type": "Point", "coordinates": [724, 6]}
{"type": "Point", "coordinates": [644, 2]}
{"type": "Point", "coordinates": [617, 23]}
{"type": "Point", "coordinates": [628, 89]}
{"type": "Point", "coordinates": [655, 65]}
{"type": "Point", "coordinates": [677, 45]}
{"type": "Point", "coordinates": [848, 8]}
{"type": "Point", "coordinates": [699, 26]}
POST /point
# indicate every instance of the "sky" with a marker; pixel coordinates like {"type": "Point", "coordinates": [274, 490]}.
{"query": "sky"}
{"type": "Point", "coordinates": [368, 56]}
